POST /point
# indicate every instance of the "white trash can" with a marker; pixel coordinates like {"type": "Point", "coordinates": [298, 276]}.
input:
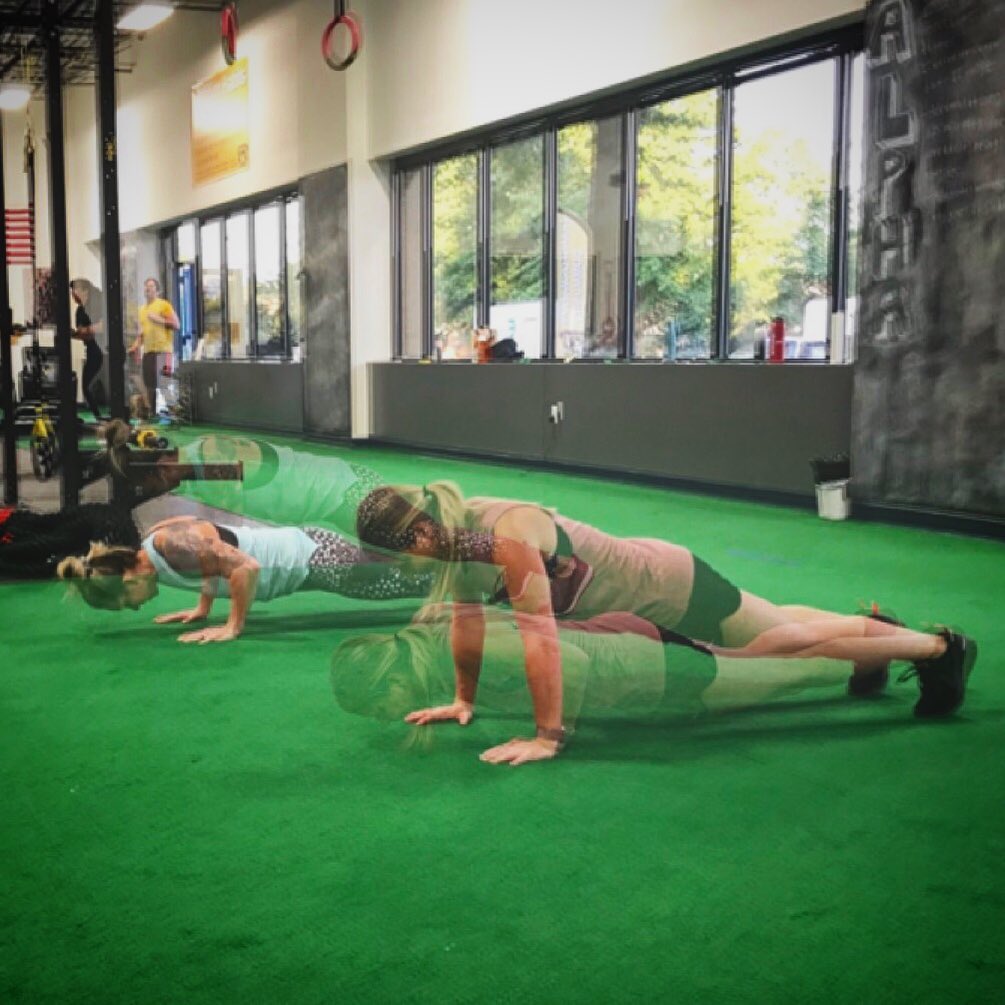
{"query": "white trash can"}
{"type": "Point", "coordinates": [832, 500]}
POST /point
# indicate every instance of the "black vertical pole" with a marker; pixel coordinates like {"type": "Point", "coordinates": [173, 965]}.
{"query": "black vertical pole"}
{"type": "Point", "coordinates": [550, 239]}
{"type": "Point", "coordinates": [719, 348]}
{"type": "Point", "coordinates": [629, 158]}
{"type": "Point", "coordinates": [6, 363]}
{"type": "Point", "coordinates": [108, 170]}
{"type": "Point", "coordinates": [483, 282]}
{"type": "Point", "coordinates": [68, 443]}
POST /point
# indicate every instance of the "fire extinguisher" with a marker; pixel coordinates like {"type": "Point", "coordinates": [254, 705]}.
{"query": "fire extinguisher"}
{"type": "Point", "coordinates": [776, 340]}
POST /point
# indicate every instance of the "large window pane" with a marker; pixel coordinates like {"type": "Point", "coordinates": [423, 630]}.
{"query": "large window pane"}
{"type": "Point", "coordinates": [517, 304]}
{"type": "Point", "coordinates": [855, 156]}
{"type": "Point", "coordinates": [675, 228]}
{"type": "Point", "coordinates": [455, 254]}
{"type": "Point", "coordinates": [410, 250]}
{"type": "Point", "coordinates": [588, 269]}
{"type": "Point", "coordinates": [186, 243]}
{"type": "Point", "coordinates": [210, 235]}
{"type": "Point", "coordinates": [294, 275]}
{"type": "Point", "coordinates": [268, 287]}
{"type": "Point", "coordinates": [783, 143]}
{"type": "Point", "coordinates": [239, 285]}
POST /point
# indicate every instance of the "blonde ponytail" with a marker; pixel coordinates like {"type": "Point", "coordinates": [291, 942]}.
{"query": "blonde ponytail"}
{"type": "Point", "coordinates": [97, 576]}
{"type": "Point", "coordinates": [72, 567]}
{"type": "Point", "coordinates": [117, 435]}
{"type": "Point", "coordinates": [388, 515]}
{"type": "Point", "coordinates": [387, 676]}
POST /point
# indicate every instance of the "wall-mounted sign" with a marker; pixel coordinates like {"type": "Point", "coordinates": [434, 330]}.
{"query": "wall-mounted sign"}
{"type": "Point", "coordinates": [220, 124]}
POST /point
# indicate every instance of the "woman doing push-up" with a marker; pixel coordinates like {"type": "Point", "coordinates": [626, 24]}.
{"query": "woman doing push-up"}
{"type": "Point", "coordinates": [545, 566]}
{"type": "Point", "coordinates": [243, 563]}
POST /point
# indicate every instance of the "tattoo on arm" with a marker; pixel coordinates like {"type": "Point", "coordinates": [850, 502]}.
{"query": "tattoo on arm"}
{"type": "Point", "coordinates": [192, 553]}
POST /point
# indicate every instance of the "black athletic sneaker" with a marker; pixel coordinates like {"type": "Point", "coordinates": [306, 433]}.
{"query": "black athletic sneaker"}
{"type": "Point", "coordinates": [872, 682]}
{"type": "Point", "coordinates": [943, 679]}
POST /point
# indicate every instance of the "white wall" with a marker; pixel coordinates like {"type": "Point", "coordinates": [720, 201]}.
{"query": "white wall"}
{"type": "Point", "coordinates": [440, 67]}
{"type": "Point", "coordinates": [296, 113]}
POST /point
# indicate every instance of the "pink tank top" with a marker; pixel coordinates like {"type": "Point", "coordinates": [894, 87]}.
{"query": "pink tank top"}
{"type": "Point", "coordinates": [646, 576]}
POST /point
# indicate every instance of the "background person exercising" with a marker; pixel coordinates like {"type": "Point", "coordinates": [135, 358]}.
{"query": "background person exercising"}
{"type": "Point", "coordinates": [158, 323]}
{"type": "Point", "coordinates": [89, 323]}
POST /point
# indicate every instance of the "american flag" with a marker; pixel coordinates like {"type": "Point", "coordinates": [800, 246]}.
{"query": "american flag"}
{"type": "Point", "coordinates": [20, 235]}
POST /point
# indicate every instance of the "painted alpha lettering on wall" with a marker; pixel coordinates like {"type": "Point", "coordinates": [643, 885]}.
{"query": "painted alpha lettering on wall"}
{"type": "Point", "coordinates": [894, 230]}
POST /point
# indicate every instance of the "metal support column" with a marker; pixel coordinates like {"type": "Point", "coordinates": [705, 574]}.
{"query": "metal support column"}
{"type": "Point", "coordinates": [68, 434]}
{"type": "Point", "coordinates": [6, 350]}
{"type": "Point", "coordinates": [108, 171]}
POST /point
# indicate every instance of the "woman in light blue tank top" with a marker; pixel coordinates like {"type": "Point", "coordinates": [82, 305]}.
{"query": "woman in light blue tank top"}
{"type": "Point", "coordinates": [243, 563]}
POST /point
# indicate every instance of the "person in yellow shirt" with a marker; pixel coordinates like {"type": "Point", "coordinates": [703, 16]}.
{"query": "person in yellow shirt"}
{"type": "Point", "coordinates": [158, 323]}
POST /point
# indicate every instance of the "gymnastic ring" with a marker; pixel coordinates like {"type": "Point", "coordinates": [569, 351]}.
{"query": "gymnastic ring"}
{"type": "Point", "coordinates": [228, 33]}
{"type": "Point", "coordinates": [355, 33]}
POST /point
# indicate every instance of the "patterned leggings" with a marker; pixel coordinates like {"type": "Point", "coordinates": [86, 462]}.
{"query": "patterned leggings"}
{"type": "Point", "coordinates": [339, 566]}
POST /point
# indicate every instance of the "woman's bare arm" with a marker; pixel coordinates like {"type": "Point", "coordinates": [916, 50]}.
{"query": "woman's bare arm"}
{"type": "Point", "coordinates": [196, 548]}
{"type": "Point", "coordinates": [522, 536]}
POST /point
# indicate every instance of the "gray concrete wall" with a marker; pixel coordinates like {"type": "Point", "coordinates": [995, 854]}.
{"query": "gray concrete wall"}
{"type": "Point", "coordinates": [735, 425]}
{"type": "Point", "coordinates": [326, 309]}
{"type": "Point", "coordinates": [256, 395]}
{"type": "Point", "coordinates": [929, 423]}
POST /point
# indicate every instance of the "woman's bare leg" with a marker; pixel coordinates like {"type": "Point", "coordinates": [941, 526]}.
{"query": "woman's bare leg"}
{"type": "Point", "coordinates": [742, 683]}
{"type": "Point", "coordinates": [863, 641]}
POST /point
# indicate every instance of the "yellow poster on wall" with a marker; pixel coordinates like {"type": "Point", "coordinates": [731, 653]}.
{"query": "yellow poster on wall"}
{"type": "Point", "coordinates": [220, 124]}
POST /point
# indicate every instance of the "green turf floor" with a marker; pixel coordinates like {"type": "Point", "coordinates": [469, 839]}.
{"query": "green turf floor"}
{"type": "Point", "coordinates": [205, 825]}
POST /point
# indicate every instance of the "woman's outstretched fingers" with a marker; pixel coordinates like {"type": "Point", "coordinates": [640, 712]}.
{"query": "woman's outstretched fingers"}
{"type": "Point", "coordinates": [218, 633]}
{"type": "Point", "coordinates": [185, 617]}
{"type": "Point", "coordinates": [458, 711]}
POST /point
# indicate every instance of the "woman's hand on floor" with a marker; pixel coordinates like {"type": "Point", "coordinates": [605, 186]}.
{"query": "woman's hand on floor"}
{"type": "Point", "coordinates": [217, 633]}
{"type": "Point", "coordinates": [459, 710]}
{"type": "Point", "coordinates": [521, 751]}
{"type": "Point", "coordinates": [183, 617]}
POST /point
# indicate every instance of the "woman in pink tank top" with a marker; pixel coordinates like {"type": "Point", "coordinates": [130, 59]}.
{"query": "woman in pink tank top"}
{"type": "Point", "coordinates": [544, 564]}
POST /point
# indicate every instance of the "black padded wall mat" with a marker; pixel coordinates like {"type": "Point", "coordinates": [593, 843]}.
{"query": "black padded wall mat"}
{"type": "Point", "coordinates": [326, 302]}
{"type": "Point", "coordinates": [929, 395]}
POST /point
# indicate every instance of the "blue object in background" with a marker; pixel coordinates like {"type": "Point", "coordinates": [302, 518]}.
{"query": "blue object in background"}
{"type": "Point", "coordinates": [670, 334]}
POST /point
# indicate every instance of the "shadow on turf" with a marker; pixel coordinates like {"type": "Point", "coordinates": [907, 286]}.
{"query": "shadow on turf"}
{"type": "Point", "coordinates": [278, 628]}
{"type": "Point", "coordinates": [811, 720]}
{"type": "Point", "coordinates": [676, 739]}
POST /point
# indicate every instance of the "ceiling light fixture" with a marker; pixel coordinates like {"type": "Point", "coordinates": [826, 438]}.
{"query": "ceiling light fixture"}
{"type": "Point", "coordinates": [145, 16]}
{"type": "Point", "coordinates": [14, 96]}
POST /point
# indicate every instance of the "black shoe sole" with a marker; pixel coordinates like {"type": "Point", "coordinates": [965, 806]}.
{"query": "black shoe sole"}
{"type": "Point", "coordinates": [969, 659]}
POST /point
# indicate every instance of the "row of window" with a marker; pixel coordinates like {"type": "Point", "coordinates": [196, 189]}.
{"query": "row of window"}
{"type": "Point", "coordinates": [236, 282]}
{"type": "Point", "coordinates": [671, 230]}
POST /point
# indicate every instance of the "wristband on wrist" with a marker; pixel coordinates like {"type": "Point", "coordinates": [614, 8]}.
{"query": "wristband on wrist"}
{"type": "Point", "coordinates": [555, 735]}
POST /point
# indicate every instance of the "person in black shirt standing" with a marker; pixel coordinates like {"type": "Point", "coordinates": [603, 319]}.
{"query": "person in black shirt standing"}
{"type": "Point", "coordinates": [88, 324]}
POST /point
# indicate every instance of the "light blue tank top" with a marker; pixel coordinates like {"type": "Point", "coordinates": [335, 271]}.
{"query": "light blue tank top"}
{"type": "Point", "coordinates": [284, 554]}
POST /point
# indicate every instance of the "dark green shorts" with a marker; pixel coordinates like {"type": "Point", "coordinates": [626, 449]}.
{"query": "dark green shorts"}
{"type": "Point", "coordinates": [713, 599]}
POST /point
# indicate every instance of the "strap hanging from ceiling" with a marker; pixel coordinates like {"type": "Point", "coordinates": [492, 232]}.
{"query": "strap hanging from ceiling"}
{"type": "Point", "coordinates": [228, 32]}
{"type": "Point", "coordinates": [349, 21]}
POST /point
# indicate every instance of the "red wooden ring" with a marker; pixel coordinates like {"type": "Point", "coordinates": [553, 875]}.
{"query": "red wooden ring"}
{"type": "Point", "coordinates": [356, 36]}
{"type": "Point", "coordinates": [228, 33]}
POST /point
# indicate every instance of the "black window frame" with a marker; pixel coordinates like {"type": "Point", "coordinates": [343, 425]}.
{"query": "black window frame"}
{"type": "Point", "coordinates": [221, 214]}
{"type": "Point", "coordinates": [842, 44]}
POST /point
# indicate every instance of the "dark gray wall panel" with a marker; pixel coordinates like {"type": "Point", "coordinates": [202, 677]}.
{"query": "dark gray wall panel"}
{"type": "Point", "coordinates": [929, 426]}
{"type": "Point", "coordinates": [751, 426]}
{"type": "Point", "coordinates": [326, 303]}
{"type": "Point", "coordinates": [748, 426]}
{"type": "Point", "coordinates": [258, 395]}
{"type": "Point", "coordinates": [484, 409]}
